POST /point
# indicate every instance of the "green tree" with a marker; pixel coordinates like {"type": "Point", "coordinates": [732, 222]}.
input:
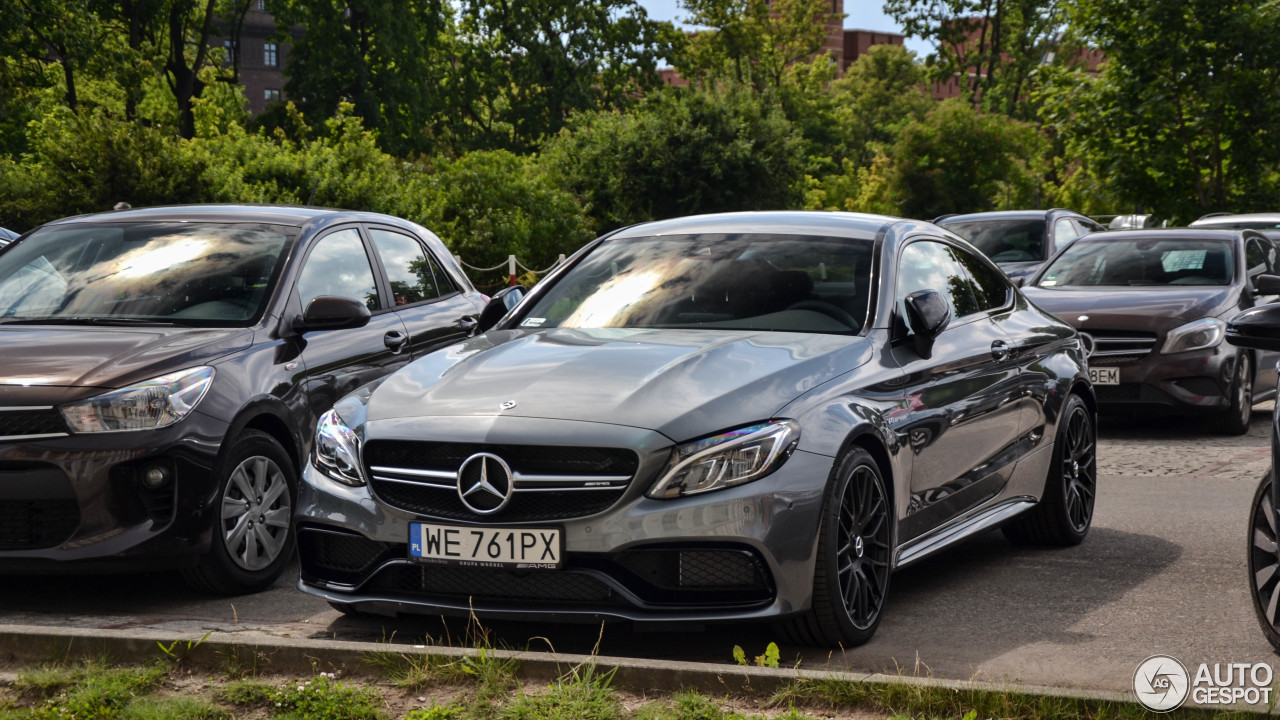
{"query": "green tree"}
{"type": "Point", "coordinates": [954, 160]}
{"type": "Point", "coordinates": [1185, 116]}
{"type": "Point", "coordinates": [681, 151]}
{"type": "Point", "coordinates": [524, 66]}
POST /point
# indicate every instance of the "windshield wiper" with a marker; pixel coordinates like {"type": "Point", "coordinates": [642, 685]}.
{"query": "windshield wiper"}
{"type": "Point", "coordinates": [117, 321]}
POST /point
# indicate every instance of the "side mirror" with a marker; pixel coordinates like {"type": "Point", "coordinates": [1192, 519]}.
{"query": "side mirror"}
{"type": "Point", "coordinates": [499, 305]}
{"type": "Point", "coordinates": [330, 312]}
{"type": "Point", "coordinates": [927, 316]}
{"type": "Point", "coordinates": [1257, 328]}
{"type": "Point", "coordinates": [1267, 285]}
{"type": "Point", "coordinates": [1020, 281]}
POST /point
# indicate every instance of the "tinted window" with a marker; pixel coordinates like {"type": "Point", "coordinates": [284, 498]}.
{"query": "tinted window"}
{"type": "Point", "coordinates": [989, 285]}
{"type": "Point", "coordinates": [192, 273]}
{"type": "Point", "coordinates": [412, 276]}
{"type": "Point", "coordinates": [933, 266]}
{"type": "Point", "coordinates": [339, 266]}
{"type": "Point", "coordinates": [1259, 257]}
{"type": "Point", "coordinates": [723, 281]}
{"type": "Point", "coordinates": [1004, 240]}
{"type": "Point", "coordinates": [1149, 261]}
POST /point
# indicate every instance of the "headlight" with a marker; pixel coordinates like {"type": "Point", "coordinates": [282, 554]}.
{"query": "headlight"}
{"type": "Point", "coordinates": [1196, 335]}
{"type": "Point", "coordinates": [728, 459]}
{"type": "Point", "coordinates": [336, 451]}
{"type": "Point", "coordinates": [156, 403]}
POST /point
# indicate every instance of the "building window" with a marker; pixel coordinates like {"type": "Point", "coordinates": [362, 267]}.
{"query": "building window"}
{"type": "Point", "coordinates": [261, 5]}
{"type": "Point", "coordinates": [230, 47]}
{"type": "Point", "coordinates": [270, 54]}
{"type": "Point", "coordinates": [271, 96]}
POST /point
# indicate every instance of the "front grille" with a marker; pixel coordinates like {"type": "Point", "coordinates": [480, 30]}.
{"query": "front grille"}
{"type": "Point", "coordinates": [36, 421]}
{"type": "Point", "coordinates": [718, 568]}
{"type": "Point", "coordinates": [1119, 347]}
{"type": "Point", "coordinates": [488, 583]}
{"type": "Point", "coordinates": [35, 524]}
{"type": "Point", "coordinates": [338, 555]}
{"type": "Point", "coordinates": [550, 482]}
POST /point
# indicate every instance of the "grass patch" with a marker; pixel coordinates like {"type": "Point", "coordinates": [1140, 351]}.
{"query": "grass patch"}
{"type": "Point", "coordinates": [693, 706]}
{"type": "Point", "coordinates": [245, 693]}
{"type": "Point", "coordinates": [914, 701]}
{"type": "Point", "coordinates": [173, 708]}
{"type": "Point", "coordinates": [88, 691]}
{"type": "Point", "coordinates": [324, 698]}
{"type": "Point", "coordinates": [581, 694]}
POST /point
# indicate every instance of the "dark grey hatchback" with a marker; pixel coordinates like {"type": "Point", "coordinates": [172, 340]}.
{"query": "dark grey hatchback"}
{"type": "Point", "coordinates": [162, 371]}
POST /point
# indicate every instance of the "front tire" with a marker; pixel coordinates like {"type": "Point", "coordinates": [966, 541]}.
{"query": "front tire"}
{"type": "Point", "coordinates": [1264, 562]}
{"type": "Point", "coordinates": [1235, 419]}
{"type": "Point", "coordinates": [1065, 511]}
{"type": "Point", "coordinates": [851, 576]}
{"type": "Point", "coordinates": [253, 537]}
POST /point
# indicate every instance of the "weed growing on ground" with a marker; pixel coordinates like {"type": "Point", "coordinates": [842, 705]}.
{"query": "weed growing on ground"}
{"type": "Point", "coordinates": [581, 694]}
{"type": "Point", "coordinates": [326, 698]}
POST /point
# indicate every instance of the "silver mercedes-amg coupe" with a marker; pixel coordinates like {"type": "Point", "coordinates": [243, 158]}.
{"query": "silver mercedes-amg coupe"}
{"type": "Point", "coordinates": [749, 416]}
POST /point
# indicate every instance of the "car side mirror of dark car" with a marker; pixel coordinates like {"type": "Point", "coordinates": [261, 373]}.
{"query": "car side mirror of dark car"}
{"type": "Point", "coordinates": [499, 305]}
{"type": "Point", "coordinates": [1257, 328]}
{"type": "Point", "coordinates": [1019, 282]}
{"type": "Point", "coordinates": [1267, 285]}
{"type": "Point", "coordinates": [330, 312]}
{"type": "Point", "coordinates": [927, 316]}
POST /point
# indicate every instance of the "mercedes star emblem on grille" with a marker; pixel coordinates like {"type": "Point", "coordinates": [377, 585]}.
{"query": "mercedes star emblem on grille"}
{"type": "Point", "coordinates": [1088, 343]}
{"type": "Point", "coordinates": [485, 483]}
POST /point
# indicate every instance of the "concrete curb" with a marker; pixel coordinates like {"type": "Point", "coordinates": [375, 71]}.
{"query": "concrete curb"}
{"type": "Point", "coordinates": [219, 652]}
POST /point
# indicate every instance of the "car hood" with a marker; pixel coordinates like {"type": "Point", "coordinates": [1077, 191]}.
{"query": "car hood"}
{"type": "Point", "coordinates": [1134, 308]}
{"type": "Point", "coordinates": [106, 357]}
{"type": "Point", "coordinates": [682, 383]}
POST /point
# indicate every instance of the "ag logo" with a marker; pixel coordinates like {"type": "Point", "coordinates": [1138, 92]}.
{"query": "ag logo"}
{"type": "Point", "coordinates": [1161, 683]}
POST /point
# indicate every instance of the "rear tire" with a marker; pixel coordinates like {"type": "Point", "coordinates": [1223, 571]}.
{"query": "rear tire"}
{"type": "Point", "coordinates": [851, 576]}
{"type": "Point", "coordinates": [253, 537]}
{"type": "Point", "coordinates": [1236, 418]}
{"type": "Point", "coordinates": [1065, 511]}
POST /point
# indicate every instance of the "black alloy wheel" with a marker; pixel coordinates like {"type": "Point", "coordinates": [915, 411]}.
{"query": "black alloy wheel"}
{"type": "Point", "coordinates": [851, 576]}
{"type": "Point", "coordinates": [1264, 562]}
{"type": "Point", "coordinates": [1065, 511]}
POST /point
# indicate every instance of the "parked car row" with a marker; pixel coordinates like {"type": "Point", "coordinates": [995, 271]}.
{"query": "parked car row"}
{"type": "Point", "coordinates": [755, 416]}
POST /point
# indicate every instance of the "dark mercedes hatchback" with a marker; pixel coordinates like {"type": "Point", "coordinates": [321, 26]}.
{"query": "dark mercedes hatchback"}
{"type": "Point", "coordinates": [162, 372]}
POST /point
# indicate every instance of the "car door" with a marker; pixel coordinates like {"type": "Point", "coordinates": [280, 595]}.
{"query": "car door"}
{"type": "Point", "coordinates": [434, 312]}
{"type": "Point", "coordinates": [339, 361]}
{"type": "Point", "coordinates": [1260, 259]}
{"type": "Point", "coordinates": [963, 416]}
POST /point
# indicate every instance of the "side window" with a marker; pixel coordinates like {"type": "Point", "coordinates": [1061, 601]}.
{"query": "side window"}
{"type": "Point", "coordinates": [1064, 233]}
{"type": "Point", "coordinates": [931, 266]}
{"type": "Point", "coordinates": [338, 265]}
{"type": "Point", "coordinates": [989, 285]}
{"type": "Point", "coordinates": [1258, 258]}
{"type": "Point", "coordinates": [411, 272]}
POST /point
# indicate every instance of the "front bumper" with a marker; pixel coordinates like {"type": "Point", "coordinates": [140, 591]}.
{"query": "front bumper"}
{"type": "Point", "coordinates": [1195, 381]}
{"type": "Point", "coordinates": [77, 503]}
{"type": "Point", "coordinates": [744, 553]}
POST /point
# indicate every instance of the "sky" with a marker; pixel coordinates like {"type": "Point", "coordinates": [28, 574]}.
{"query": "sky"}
{"type": "Point", "coordinates": [859, 14]}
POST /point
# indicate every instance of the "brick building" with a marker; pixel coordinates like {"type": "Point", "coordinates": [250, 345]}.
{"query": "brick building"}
{"type": "Point", "coordinates": [258, 57]}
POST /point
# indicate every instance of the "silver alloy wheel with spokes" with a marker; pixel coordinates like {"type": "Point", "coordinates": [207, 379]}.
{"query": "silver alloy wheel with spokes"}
{"type": "Point", "coordinates": [1078, 469]}
{"type": "Point", "coordinates": [1264, 561]}
{"type": "Point", "coordinates": [862, 559]}
{"type": "Point", "coordinates": [256, 511]}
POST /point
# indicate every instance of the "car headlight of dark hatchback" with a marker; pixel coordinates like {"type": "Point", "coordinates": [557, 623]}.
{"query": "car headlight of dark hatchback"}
{"type": "Point", "coordinates": [336, 451]}
{"type": "Point", "coordinates": [149, 405]}
{"type": "Point", "coordinates": [727, 459]}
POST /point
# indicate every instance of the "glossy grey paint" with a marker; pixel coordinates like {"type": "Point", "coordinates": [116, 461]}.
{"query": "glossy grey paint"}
{"type": "Point", "coordinates": [267, 376]}
{"type": "Point", "coordinates": [652, 389]}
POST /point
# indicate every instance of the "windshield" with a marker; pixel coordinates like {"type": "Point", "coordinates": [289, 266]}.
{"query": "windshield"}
{"type": "Point", "coordinates": [724, 281]}
{"type": "Point", "coordinates": [1148, 261]}
{"type": "Point", "coordinates": [1004, 241]}
{"type": "Point", "coordinates": [170, 273]}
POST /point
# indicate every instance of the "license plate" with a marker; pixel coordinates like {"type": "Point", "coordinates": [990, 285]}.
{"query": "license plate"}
{"type": "Point", "coordinates": [527, 548]}
{"type": "Point", "coordinates": [1104, 376]}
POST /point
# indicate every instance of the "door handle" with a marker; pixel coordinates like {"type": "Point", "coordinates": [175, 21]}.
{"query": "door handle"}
{"type": "Point", "coordinates": [395, 341]}
{"type": "Point", "coordinates": [1000, 351]}
{"type": "Point", "coordinates": [468, 323]}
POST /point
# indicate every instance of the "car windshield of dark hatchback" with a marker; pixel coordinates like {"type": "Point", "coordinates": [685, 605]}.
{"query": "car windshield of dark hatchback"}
{"type": "Point", "coordinates": [1004, 241]}
{"type": "Point", "coordinates": [724, 281]}
{"type": "Point", "coordinates": [184, 273]}
{"type": "Point", "coordinates": [1147, 261]}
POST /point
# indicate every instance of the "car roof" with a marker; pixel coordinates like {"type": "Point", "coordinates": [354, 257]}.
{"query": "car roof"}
{"type": "Point", "coordinates": [272, 214]}
{"type": "Point", "coordinates": [792, 222]}
{"type": "Point", "coordinates": [1000, 215]}
{"type": "Point", "coordinates": [1228, 219]}
{"type": "Point", "coordinates": [1196, 233]}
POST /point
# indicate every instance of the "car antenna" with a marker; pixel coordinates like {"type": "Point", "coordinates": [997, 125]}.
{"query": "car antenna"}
{"type": "Point", "coordinates": [312, 196]}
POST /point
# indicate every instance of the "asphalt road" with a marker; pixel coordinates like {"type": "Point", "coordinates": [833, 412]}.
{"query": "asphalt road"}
{"type": "Point", "coordinates": [1162, 572]}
